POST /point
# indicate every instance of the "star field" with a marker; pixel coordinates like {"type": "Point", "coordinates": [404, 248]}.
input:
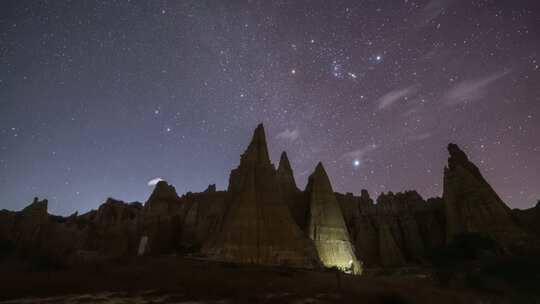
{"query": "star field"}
{"type": "Point", "coordinates": [99, 98]}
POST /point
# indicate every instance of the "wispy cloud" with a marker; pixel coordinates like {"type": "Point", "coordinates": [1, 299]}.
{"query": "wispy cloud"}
{"type": "Point", "coordinates": [432, 10]}
{"type": "Point", "coordinates": [289, 135]}
{"type": "Point", "coordinates": [419, 137]}
{"type": "Point", "coordinates": [471, 90]}
{"type": "Point", "coordinates": [392, 97]}
{"type": "Point", "coordinates": [361, 153]}
{"type": "Point", "coordinates": [154, 181]}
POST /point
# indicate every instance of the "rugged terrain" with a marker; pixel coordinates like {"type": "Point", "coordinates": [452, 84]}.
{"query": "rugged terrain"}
{"type": "Point", "coordinates": [264, 220]}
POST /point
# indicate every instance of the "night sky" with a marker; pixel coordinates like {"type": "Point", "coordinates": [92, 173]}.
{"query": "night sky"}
{"type": "Point", "coordinates": [97, 98]}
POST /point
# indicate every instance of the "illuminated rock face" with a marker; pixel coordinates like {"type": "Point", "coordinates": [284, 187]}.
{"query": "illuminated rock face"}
{"type": "Point", "coordinates": [258, 227]}
{"type": "Point", "coordinates": [327, 226]}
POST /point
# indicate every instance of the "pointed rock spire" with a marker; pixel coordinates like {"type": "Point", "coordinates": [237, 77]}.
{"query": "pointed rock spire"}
{"type": "Point", "coordinates": [320, 180]}
{"type": "Point", "coordinates": [161, 197]}
{"type": "Point", "coordinates": [257, 151]}
{"type": "Point", "coordinates": [284, 164]}
{"type": "Point", "coordinates": [37, 207]}
{"type": "Point", "coordinates": [37, 210]}
{"type": "Point", "coordinates": [459, 158]}
{"type": "Point", "coordinates": [471, 204]}
{"type": "Point", "coordinates": [292, 195]}
{"type": "Point", "coordinates": [258, 227]}
{"type": "Point", "coordinates": [163, 191]}
{"type": "Point", "coordinates": [285, 173]}
{"type": "Point", "coordinates": [327, 226]}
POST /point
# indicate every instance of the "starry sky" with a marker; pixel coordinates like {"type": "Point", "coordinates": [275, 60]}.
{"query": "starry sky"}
{"type": "Point", "coordinates": [97, 98]}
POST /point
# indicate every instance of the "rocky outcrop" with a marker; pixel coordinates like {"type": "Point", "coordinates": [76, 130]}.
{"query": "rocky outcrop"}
{"type": "Point", "coordinates": [401, 228]}
{"type": "Point", "coordinates": [327, 226]}
{"type": "Point", "coordinates": [293, 197]}
{"type": "Point", "coordinates": [472, 206]}
{"type": "Point", "coordinates": [285, 174]}
{"type": "Point", "coordinates": [211, 188]}
{"type": "Point", "coordinates": [201, 218]}
{"type": "Point", "coordinates": [263, 218]}
{"type": "Point", "coordinates": [390, 253]}
{"type": "Point", "coordinates": [162, 199]}
{"type": "Point", "coordinates": [528, 219]}
{"type": "Point", "coordinates": [258, 227]}
{"type": "Point", "coordinates": [113, 231]}
{"type": "Point", "coordinates": [161, 223]}
{"type": "Point", "coordinates": [30, 226]}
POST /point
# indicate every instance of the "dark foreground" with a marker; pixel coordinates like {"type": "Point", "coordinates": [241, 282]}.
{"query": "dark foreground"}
{"type": "Point", "coordinates": [179, 280]}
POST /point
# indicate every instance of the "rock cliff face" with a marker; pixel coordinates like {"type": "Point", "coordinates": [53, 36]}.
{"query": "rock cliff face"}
{"type": "Point", "coordinates": [113, 229]}
{"type": "Point", "coordinates": [201, 218]}
{"type": "Point", "coordinates": [263, 218]}
{"type": "Point", "coordinates": [472, 205]}
{"type": "Point", "coordinates": [401, 228]}
{"type": "Point", "coordinates": [327, 226]}
{"type": "Point", "coordinates": [258, 227]}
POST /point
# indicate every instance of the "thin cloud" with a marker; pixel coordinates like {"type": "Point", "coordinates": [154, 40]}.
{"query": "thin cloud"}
{"type": "Point", "coordinates": [419, 137]}
{"type": "Point", "coordinates": [360, 153]}
{"type": "Point", "coordinates": [471, 90]}
{"type": "Point", "coordinates": [392, 97]}
{"type": "Point", "coordinates": [154, 181]}
{"type": "Point", "coordinates": [289, 135]}
{"type": "Point", "coordinates": [433, 10]}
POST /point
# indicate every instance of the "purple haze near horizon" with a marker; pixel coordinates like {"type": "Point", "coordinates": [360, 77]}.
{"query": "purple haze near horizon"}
{"type": "Point", "coordinates": [98, 98]}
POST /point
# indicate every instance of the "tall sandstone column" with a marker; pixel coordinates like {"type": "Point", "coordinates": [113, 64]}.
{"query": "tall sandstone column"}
{"type": "Point", "coordinates": [327, 226]}
{"type": "Point", "coordinates": [258, 227]}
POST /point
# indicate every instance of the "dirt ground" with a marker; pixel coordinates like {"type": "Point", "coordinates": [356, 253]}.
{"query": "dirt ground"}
{"type": "Point", "coordinates": [182, 280]}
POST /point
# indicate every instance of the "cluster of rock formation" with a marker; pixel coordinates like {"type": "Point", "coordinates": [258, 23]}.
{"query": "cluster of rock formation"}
{"type": "Point", "coordinates": [263, 218]}
{"type": "Point", "coordinates": [258, 227]}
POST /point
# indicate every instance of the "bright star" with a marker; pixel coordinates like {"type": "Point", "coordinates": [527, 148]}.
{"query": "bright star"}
{"type": "Point", "coordinates": [378, 58]}
{"type": "Point", "coordinates": [293, 71]}
{"type": "Point", "coordinates": [356, 163]}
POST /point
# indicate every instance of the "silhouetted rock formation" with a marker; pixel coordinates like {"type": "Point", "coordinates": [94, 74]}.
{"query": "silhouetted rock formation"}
{"type": "Point", "coordinates": [327, 227]}
{"type": "Point", "coordinates": [528, 219]}
{"type": "Point", "coordinates": [263, 218]}
{"type": "Point", "coordinates": [401, 228]}
{"type": "Point", "coordinates": [258, 227]}
{"type": "Point", "coordinates": [471, 204]}
{"type": "Point", "coordinates": [161, 198]}
{"type": "Point", "coordinates": [211, 188]}
{"type": "Point", "coordinates": [293, 197]}
{"type": "Point", "coordinates": [285, 174]}
{"type": "Point", "coordinates": [114, 228]}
